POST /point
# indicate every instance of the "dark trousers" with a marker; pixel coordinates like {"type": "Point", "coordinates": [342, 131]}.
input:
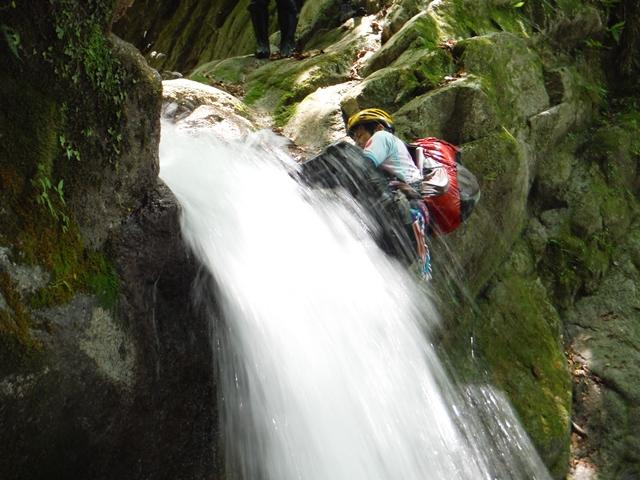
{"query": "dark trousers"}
{"type": "Point", "coordinates": [287, 21]}
{"type": "Point", "coordinates": [283, 5]}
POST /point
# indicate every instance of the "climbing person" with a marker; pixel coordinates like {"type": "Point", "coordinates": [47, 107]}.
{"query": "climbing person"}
{"type": "Point", "coordinates": [430, 168]}
{"type": "Point", "coordinates": [287, 21]}
{"type": "Point", "coordinates": [372, 130]}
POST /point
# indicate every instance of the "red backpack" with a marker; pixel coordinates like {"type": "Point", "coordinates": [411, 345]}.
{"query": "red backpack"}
{"type": "Point", "coordinates": [451, 208]}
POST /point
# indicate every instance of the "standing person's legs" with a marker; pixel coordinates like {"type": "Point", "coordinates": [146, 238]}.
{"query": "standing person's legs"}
{"type": "Point", "coordinates": [288, 21]}
{"type": "Point", "coordinates": [259, 10]}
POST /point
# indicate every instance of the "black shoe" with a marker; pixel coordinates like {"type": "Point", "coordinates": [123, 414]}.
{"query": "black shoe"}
{"type": "Point", "coordinates": [263, 51]}
{"type": "Point", "coordinates": [287, 49]}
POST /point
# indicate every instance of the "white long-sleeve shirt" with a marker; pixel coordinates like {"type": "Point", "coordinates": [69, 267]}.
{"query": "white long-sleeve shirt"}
{"type": "Point", "coordinates": [389, 153]}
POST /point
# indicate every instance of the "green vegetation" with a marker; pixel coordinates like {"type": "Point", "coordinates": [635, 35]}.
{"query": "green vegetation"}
{"type": "Point", "coordinates": [64, 95]}
{"type": "Point", "coordinates": [15, 335]}
{"type": "Point", "coordinates": [533, 373]}
{"type": "Point", "coordinates": [82, 56]}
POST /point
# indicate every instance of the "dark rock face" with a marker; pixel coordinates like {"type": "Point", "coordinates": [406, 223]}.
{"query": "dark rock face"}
{"type": "Point", "coordinates": [169, 432]}
{"type": "Point", "coordinates": [111, 189]}
{"type": "Point", "coordinates": [197, 26]}
{"type": "Point", "coordinates": [105, 364]}
{"type": "Point", "coordinates": [125, 397]}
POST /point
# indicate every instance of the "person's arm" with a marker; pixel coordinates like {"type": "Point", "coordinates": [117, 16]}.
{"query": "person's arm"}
{"type": "Point", "coordinates": [378, 149]}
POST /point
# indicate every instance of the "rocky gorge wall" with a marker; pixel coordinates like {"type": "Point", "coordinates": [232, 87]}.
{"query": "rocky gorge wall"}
{"type": "Point", "coordinates": [105, 366]}
{"type": "Point", "coordinates": [530, 90]}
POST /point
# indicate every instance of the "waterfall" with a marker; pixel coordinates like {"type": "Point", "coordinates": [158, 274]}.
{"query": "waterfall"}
{"type": "Point", "coordinates": [323, 341]}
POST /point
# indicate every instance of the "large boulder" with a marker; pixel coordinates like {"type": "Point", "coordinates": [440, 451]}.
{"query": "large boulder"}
{"type": "Point", "coordinates": [105, 365]}
{"type": "Point", "coordinates": [459, 112]}
{"type": "Point", "coordinates": [511, 74]}
{"type": "Point", "coordinates": [199, 106]}
{"type": "Point", "coordinates": [318, 120]}
{"type": "Point", "coordinates": [415, 72]}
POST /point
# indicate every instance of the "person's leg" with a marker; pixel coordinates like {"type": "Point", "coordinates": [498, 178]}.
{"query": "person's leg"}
{"type": "Point", "coordinates": [259, 10]}
{"type": "Point", "coordinates": [288, 21]}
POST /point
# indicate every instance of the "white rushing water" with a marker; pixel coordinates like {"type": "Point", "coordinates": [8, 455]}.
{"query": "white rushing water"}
{"type": "Point", "coordinates": [326, 368]}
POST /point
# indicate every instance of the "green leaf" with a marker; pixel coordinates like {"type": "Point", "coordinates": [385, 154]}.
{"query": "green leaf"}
{"type": "Point", "coordinates": [518, 5]}
{"type": "Point", "coordinates": [13, 39]}
{"type": "Point", "coordinates": [616, 31]}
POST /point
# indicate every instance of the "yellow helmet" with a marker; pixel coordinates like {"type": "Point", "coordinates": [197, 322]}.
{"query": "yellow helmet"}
{"type": "Point", "coordinates": [370, 115]}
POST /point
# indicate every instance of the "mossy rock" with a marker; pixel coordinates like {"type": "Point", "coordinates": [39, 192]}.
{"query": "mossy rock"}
{"type": "Point", "coordinates": [615, 148]}
{"type": "Point", "coordinates": [387, 88]}
{"type": "Point", "coordinates": [461, 19]}
{"type": "Point", "coordinates": [483, 243]}
{"type": "Point", "coordinates": [604, 333]}
{"type": "Point", "coordinates": [553, 174]}
{"type": "Point", "coordinates": [441, 22]}
{"type": "Point", "coordinates": [519, 336]}
{"type": "Point", "coordinates": [591, 195]}
{"type": "Point", "coordinates": [459, 112]}
{"type": "Point", "coordinates": [188, 33]}
{"type": "Point", "coordinates": [277, 86]}
{"type": "Point", "coordinates": [318, 119]}
{"type": "Point", "coordinates": [320, 12]}
{"type": "Point", "coordinates": [511, 74]}
{"type": "Point", "coordinates": [421, 32]}
{"type": "Point", "coordinates": [399, 13]}
{"type": "Point", "coordinates": [191, 33]}
{"type": "Point", "coordinates": [232, 70]}
{"type": "Point", "coordinates": [414, 73]}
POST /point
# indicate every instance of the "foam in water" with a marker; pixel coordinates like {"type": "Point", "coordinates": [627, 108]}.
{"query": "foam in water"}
{"type": "Point", "coordinates": [327, 371]}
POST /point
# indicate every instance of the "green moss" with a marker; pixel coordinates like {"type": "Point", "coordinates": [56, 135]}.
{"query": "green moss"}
{"type": "Point", "coordinates": [572, 263]}
{"type": "Point", "coordinates": [509, 19]}
{"type": "Point", "coordinates": [281, 87]}
{"type": "Point", "coordinates": [58, 139]}
{"type": "Point", "coordinates": [630, 122]}
{"type": "Point", "coordinates": [513, 335]}
{"type": "Point", "coordinates": [469, 18]}
{"type": "Point", "coordinates": [82, 56]}
{"type": "Point", "coordinates": [433, 68]}
{"type": "Point", "coordinates": [102, 280]}
{"type": "Point", "coordinates": [255, 93]}
{"type": "Point", "coordinates": [519, 338]}
{"type": "Point", "coordinates": [43, 233]}
{"type": "Point", "coordinates": [15, 322]}
{"type": "Point", "coordinates": [283, 114]}
{"type": "Point", "coordinates": [73, 269]}
{"type": "Point", "coordinates": [507, 67]}
{"type": "Point", "coordinates": [228, 74]}
{"type": "Point", "coordinates": [428, 33]}
{"type": "Point", "coordinates": [22, 107]}
{"type": "Point", "coordinates": [199, 77]}
{"type": "Point", "coordinates": [423, 32]}
{"type": "Point", "coordinates": [414, 73]}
